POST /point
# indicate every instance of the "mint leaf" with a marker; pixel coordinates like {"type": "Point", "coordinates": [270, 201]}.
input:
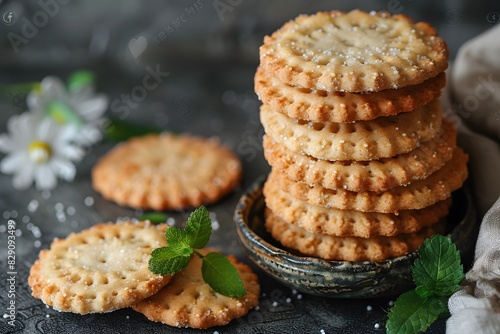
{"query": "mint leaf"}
{"type": "Point", "coordinates": [154, 217]}
{"type": "Point", "coordinates": [168, 260]}
{"type": "Point", "coordinates": [221, 275]}
{"type": "Point", "coordinates": [438, 270]}
{"type": "Point", "coordinates": [177, 237]}
{"type": "Point", "coordinates": [412, 313]}
{"type": "Point", "coordinates": [199, 228]}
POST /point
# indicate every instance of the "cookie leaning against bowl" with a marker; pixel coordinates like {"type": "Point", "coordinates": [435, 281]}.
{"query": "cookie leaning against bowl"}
{"type": "Point", "coordinates": [382, 137]}
{"type": "Point", "coordinates": [338, 107]}
{"type": "Point", "coordinates": [188, 301]}
{"type": "Point", "coordinates": [165, 172]}
{"type": "Point", "coordinates": [354, 52]}
{"type": "Point", "coordinates": [101, 269]}
{"type": "Point", "coordinates": [375, 175]}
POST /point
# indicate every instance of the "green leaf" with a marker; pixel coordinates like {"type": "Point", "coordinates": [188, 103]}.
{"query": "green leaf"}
{"type": "Point", "coordinates": [118, 130]}
{"type": "Point", "coordinates": [412, 313]}
{"type": "Point", "coordinates": [199, 228]}
{"type": "Point", "coordinates": [438, 270]}
{"type": "Point", "coordinates": [177, 238]}
{"type": "Point", "coordinates": [80, 79]}
{"type": "Point", "coordinates": [154, 217]}
{"type": "Point", "coordinates": [221, 275]}
{"type": "Point", "coordinates": [168, 260]}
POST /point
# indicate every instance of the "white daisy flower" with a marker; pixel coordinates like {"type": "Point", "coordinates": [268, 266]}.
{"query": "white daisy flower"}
{"type": "Point", "coordinates": [77, 105]}
{"type": "Point", "coordinates": [39, 151]}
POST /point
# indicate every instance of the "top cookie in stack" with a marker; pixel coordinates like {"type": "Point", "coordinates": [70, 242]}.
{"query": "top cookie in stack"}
{"type": "Point", "coordinates": [363, 162]}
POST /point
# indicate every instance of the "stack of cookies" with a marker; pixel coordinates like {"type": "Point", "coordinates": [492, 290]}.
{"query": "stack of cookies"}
{"type": "Point", "coordinates": [363, 161]}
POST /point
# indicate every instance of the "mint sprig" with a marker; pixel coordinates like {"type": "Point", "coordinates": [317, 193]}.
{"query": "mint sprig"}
{"type": "Point", "coordinates": [437, 274]}
{"type": "Point", "coordinates": [217, 270]}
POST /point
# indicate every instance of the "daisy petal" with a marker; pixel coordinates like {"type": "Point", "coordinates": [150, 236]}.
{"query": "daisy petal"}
{"type": "Point", "coordinates": [89, 134]}
{"type": "Point", "coordinates": [7, 145]}
{"type": "Point", "coordinates": [45, 177]}
{"type": "Point", "coordinates": [66, 134]}
{"type": "Point", "coordinates": [53, 88]}
{"type": "Point", "coordinates": [72, 152]}
{"type": "Point", "coordinates": [63, 168]}
{"type": "Point", "coordinates": [93, 108]}
{"type": "Point", "coordinates": [35, 102]}
{"type": "Point", "coordinates": [23, 179]}
{"type": "Point", "coordinates": [13, 162]}
{"type": "Point", "coordinates": [46, 130]}
{"type": "Point", "coordinates": [81, 94]}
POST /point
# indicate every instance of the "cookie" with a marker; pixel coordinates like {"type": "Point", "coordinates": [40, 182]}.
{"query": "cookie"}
{"type": "Point", "coordinates": [101, 269]}
{"type": "Point", "coordinates": [346, 248]}
{"type": "Point", "coordinates": [354, 52]}
{"type": "Point", "coordinates": [338, 107]}
{"type": "Point", "coordinates": [350, 223]}
{"type": "Point", "coordinates": [416, 195]}
{"type": "Point", "coordinates": [374, 175]}
{"type": "Point", "coordinates": [187, 301]}
{"type": "Point", "coordinates": [166, 172]}
{"type": "Point", "coordinates": [383, 137]}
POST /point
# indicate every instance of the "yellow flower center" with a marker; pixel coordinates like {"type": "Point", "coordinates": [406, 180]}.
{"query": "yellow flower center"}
{"type": "Point", "coordinates": [39, 151]}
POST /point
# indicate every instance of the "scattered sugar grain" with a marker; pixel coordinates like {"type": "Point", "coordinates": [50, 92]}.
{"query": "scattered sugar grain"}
{"type": "Point", "coordinates": [376, 326]}
{"type": "Point", "coordinates": [369, 308]}
{"type": "Point", "coordinates": [33, 205]}
{"type": "Point", "coordinates": [88, 201]}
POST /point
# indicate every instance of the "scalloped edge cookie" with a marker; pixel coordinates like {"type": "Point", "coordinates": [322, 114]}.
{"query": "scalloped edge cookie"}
{"type": "Point", "coordinates": [354, 52]}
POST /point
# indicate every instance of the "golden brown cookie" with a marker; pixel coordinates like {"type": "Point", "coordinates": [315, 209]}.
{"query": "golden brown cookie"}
{"type": "Point", "coordinates": [354, 52]}
{"type": "Point", "coordinates": [166, 172]}
{"type": "Point", "coordinates": [374, 175]}
{"type": "Point", "coordinates": [416, 195]}
{"type": "Point", "coordinates": [350, 223]}
{"type": "Point", "coordinates": [346, 248]}
{"type": "Point", "coordinates": [383, 137]}
{"type": "Point", "coordinates": [190, 302]}
{"type": "Point", "coordinates": [338, 107]}
{"type": "Point", "coordinates": [100, 269]}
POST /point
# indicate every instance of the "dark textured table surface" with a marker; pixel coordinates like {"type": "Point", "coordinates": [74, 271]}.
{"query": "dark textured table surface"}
{"type": "Point", "coordinates": [209, 101]}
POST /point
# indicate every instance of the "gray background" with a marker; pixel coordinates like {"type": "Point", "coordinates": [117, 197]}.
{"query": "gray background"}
{"type": "Point", "coordinates": [211, 57]}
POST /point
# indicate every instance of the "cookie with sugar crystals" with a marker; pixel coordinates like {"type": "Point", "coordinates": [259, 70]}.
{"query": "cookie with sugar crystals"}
{"type": "Point", "coordinates": [382, 137]}
{"type": "Point", "coordinates": [375, 175]}
{"type": "Point", "coordinates": [417, 195]}
{"type": "Point", "coordinates": [166, 172]}
{"type": "Point", "coordinates": [100, 269]}
{"type": "Point", "coordinates": [354, 52]}
{"type": "Point", "coordinates": [340, 107]}
{"type": "Point", "coordinates": [350, 223]}
{"type": "Point", "coordinates": [328, 247]}
{"type": "Point", "coordinates": [187, 301]}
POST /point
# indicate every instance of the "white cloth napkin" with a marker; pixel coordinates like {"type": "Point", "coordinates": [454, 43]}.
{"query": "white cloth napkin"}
{"type": "Point", "coordinates": [473, 98]}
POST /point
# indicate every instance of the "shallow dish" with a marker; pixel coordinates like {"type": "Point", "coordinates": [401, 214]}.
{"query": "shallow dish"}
{"type": "Point", "coordinates": [341, 278]}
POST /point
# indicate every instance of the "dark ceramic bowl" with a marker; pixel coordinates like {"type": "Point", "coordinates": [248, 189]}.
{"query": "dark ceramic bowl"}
{"type": "Point", "coordinates": [341, 278]}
